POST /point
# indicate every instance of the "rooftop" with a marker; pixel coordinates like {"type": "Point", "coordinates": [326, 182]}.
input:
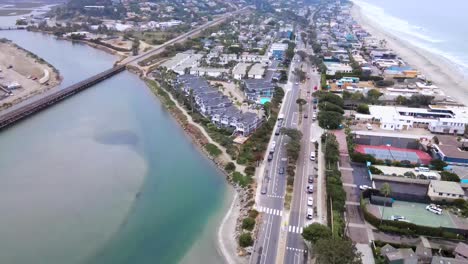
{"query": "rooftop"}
{"type": "Point", "coordinates": [450, 146]}
{"type": "Point", "coordinates": [447, 187]}
{"type": "Point", "coordinates": [462, 249]}
{"type": "Point", "coordinates": [257, 69]}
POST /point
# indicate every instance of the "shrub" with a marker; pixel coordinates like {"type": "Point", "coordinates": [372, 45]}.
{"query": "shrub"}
{"type": "Point", "coordinates": [375, 170]}
{"type": "Point", "coordinates": [248, 223]}
{"type": "Point", "coordinates": [253, 213]}
{"type": "Point", "coordinates": [213, 150]}
{"type": "Point", "coordinates": [249, 170]}
{"type": "Point", "coordinates": [240, 179]}
{"type": "Point", "coordinates": [363, 109]}
{"type": "Point", "coordinates": [245, 240]}
{"type": "Point", "coordinates": [230, 166]}
{"type": "Point", "coordinates": [449, 176]}
{"type": "Point", "coordinates": [438, 164]}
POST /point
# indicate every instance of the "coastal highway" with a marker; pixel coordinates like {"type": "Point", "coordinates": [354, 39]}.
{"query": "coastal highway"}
{"type": "Point", "coordinates": [133, 60]}
{"type": "Point", "coordinates": [271, 204]}
{"type": "Point", "coordinates": [296, 252]}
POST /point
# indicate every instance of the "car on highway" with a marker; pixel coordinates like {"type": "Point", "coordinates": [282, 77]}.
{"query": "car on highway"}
{"type": "Point", "coordinates": [364, 187]}
{"type": "Point", "coordinates": [310, 201]}
{"type": "Point", "coordinates": [306, 115]}
{"type": "Point", "coordinates": [281, 170]}
{"type": "Point", "coordinates": [310, 188]}
{"type": "Point", "coordinates": [310, 213]}
{"type": "Point", "coordinates": [312, 156]}
{"type": "Point", "coordinates": [277, 132]}
{"type": "Point", "coordinates": [310, 179]}
{"type": "Point", "coordinates": [270, 156]}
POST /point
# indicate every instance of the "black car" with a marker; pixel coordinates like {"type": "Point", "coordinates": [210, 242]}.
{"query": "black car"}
{"type": "Point", "coordinates": [310, 179]}
{"type": "Point", "coordinates": [270, 156]}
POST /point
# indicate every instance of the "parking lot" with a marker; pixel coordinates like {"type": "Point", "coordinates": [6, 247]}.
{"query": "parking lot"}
{"type": "Point", "coordinates": [416, 213]}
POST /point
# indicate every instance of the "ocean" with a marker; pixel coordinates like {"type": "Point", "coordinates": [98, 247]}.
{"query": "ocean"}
{"type": "Point", "coordinates": [433, 25]}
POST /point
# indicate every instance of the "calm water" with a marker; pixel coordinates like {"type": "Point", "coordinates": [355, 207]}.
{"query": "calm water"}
{"type": "Point", "coordinates": [434, 25]}
{"type": "Point", "coordinates": [106, 176]}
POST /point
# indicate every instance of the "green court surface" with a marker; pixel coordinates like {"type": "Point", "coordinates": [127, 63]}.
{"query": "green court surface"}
{"type": "Point", "coordinates": [416, 213]}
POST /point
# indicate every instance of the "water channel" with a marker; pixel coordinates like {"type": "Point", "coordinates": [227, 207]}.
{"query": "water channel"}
{"type": "Point", "coordinates": [106, 176]}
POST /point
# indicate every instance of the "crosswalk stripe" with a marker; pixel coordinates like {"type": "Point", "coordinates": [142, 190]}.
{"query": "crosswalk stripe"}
{"type": "Point", "coordinates": [281, 213]}
{"type": "Point", "coordinates": [289, 228]}
{"type": "Point", "coordinates": [300, 230]}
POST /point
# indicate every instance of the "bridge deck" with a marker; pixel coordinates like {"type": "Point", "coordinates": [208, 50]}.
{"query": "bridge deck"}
{"type": "Point", "coordinates": [37, 105]}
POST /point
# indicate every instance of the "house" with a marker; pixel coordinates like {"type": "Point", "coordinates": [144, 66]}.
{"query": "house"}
{"type": "Point", "coordinates": [256, 71]}
{"type": "Point", "coordinates": [231, 117]}
{"type": "Point", "coordinates": [424, 253]}
{"type": "Point", "coordinates": [399, 256]}
{"type": "Point", "coordinates": [278, 51]}
{"type": "Point", "coordinates": [240, 70]}
{"type": "Point", "coordinates": [333, 68]}
{"type": "Point", "coordinates": [461, 251]}
{"type": "Point", "coordinates": [211, 72]}
{"type": "Point", "coordinates": [445, 191]}
{"type": "Point", "coordinates": [255, 89]}
{"type": "Point", "coordinates": [450, 150]}
{"type": "Point", "coordinates": [443, 260]}
{"type": "Point", "coordinates": [253, 58]}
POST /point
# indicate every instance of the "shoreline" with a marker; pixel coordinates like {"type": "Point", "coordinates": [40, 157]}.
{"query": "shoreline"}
{"type": "Point", "coordinates": [227, 244]}
{"type": "Point", "coordinates": [26, 62]}
{"type": "Point", "coordinates": [436, 68]}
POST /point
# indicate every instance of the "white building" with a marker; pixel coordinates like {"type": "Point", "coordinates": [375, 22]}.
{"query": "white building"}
{"type": "Point", "coordinates": [334, 67]}
{"type": "Point", "coordinates": [438, 119]}
{"type": "Point", "coordinates": [211, 72]}
{"type": "Point", "coordinates": [182, 61]}
{"type": "Point", "coordinates": [240, 70]}
{"type": "Point", "coordinates": [254, 58]}
{"type": "Point", "coordinates": [445, 191]}
{"type": "Point", "coordinates": [257, 71]}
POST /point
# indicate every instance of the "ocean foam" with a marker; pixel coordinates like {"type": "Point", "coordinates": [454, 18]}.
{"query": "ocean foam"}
{"type": "Point", "coordinates": [412, 34]}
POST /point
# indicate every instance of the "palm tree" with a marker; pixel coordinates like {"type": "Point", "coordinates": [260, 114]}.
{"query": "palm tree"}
{"type": "Point", "coordinates": [386, 190]}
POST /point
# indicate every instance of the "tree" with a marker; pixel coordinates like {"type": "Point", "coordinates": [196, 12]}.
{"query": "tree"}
{"type": "Point", "coordinates": [301, 102]}
{"type": "Point", "coordinates": [386, 190]}
{"type": "Point", "coordinates": [336, 251]}
{"type": "Point", "coordinates": [363, 109]}
{"type": "Point", "coordinates": [329, 119]}
{"type": "Point", "coordinates": [230, 166]}
{"type": "Point", "coordinates": [438, 164]}
{"type": "Point", "coordinates": [449, 176]}
{"type": "Point", "coordinates": [300, 74]}
{"type": "Point", "coordinates": [248, 223]}
{"type": "Point", "coordinates": [329, 97]}
{"type": "Point", "coordinates": [357, 96]}
{"type": "Point", "coordinates": [315, 232]}
{"type": "Point", "coordinates": [401, 100]}
{"type": "Point", "coordinates": [327, 106]}
{"type": "Point", "coordinates": [245, 240]}
{"type": "Point", "coordinates": [373, 95]}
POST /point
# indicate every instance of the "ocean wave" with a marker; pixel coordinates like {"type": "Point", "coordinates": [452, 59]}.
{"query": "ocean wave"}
{"type": "Point", "coordinates": [403, 30]}
{"type": "Point", "coordinates": [391, 23]}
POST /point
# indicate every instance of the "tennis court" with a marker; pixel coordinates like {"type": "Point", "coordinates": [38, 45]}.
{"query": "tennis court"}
{"type": "Point", "coordinates": [395, 154]}
{"type": "Point", "coordinates": [416, 213]}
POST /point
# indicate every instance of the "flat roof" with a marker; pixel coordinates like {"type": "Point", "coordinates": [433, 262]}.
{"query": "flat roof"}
{"type": "Point", "coordinates": [389, 134]}
{"type": "Point", "coordinates": [449, 145]}
{"type": "Point", "coordinates": [240, 68]}
{"type": "Point", "coordinates": [447, 187]}
{"type": "Point", "coordinates": [257, 69]}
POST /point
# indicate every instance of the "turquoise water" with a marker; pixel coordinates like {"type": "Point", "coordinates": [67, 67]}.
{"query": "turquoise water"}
{"type": "Point", "coordinates": [434, 25]}
{"type": "Point", "coordinates": [106, 176]}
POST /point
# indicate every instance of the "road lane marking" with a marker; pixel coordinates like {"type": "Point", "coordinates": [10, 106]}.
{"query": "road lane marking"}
{"type": "Point", "coordinates": [275, 196]}
{"type": "Point", "coordinates": [295, 229]}
{"type": "Point", "coordinates": [295, 249]}
{"type": "Point", "coordinates": [270, 211]}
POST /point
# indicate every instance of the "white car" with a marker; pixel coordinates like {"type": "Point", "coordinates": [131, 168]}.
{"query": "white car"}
{"type": "Point", "coordinates": [310, 201]}
{"type": "Point", "coordinates": [364, 187]}
{"type": "Point", "coordinates": [399, 218]}
{"type": "Point", "coordinates": [434, 209]}
{"type": "Point", "coordinates": [297, 83]}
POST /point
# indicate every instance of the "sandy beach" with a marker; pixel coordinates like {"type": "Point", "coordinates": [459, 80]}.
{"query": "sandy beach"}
{"type": "Point", "coordinates": [32, 74]}
{"type": "Point", "coordinates": [436, 68]}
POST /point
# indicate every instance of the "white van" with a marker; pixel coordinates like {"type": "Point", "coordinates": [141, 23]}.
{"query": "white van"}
{"type": "Point", "coordinates": [434, 209]}
{"type": "Point", "coordinates": [310, 213]}
{"type": "Point", "coordinates": [312, 156]}
{"type": "Point", "coordinates": [369, 126]}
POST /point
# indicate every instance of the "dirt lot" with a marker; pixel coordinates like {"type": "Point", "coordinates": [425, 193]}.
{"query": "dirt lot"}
{"type": "Point", "coordinates": [18, 66]}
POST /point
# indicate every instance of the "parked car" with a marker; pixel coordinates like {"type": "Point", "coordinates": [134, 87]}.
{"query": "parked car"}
{"type": "Point", "coordinates": [398, 218]}
{"type": "Point", "coordinates": [364, 187]}
{"type": "Point", "coordinates": [434, 209]}
{"type": "Point", "coordinates": [270, 156]}
{"type": "Point", "coordinates": [310, 213]}
{"type": "Point", "coordinates": [281, 170]}
{"type": "Point", "coordinates": [310, 201]}
{"type": "Point", "coordinates": [310, 188]}
{"type": "Point", "coordinates": [310, 179]}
